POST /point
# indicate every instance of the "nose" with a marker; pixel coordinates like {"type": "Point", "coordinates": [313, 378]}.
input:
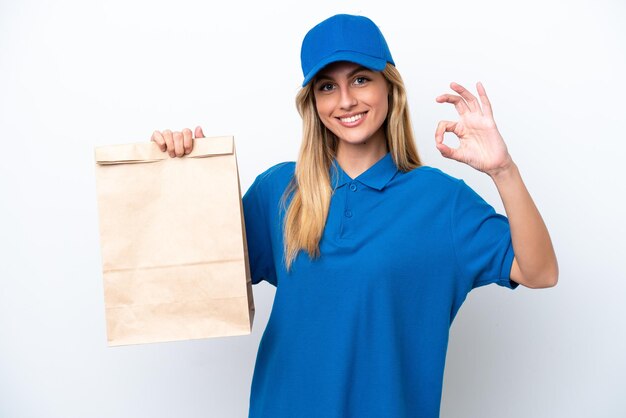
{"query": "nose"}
{"type": "Point", "coordinates": [347, 99]}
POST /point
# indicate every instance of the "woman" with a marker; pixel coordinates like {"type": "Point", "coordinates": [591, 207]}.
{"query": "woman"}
{"type": "Point", "coordinates": [372, 253]}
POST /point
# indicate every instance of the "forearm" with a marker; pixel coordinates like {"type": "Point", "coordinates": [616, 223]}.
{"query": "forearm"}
{"type": "Point", "coordinates": [535, 263]}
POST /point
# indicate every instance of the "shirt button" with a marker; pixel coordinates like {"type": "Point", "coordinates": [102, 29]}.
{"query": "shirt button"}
{"type": "Point", "coordinates": [353, 187]}
{"type": "Point", "coordinates": [348, 213]}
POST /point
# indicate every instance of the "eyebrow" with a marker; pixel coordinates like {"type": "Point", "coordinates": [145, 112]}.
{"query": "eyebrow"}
{"type": "Point", "coordinates": [350, 74]}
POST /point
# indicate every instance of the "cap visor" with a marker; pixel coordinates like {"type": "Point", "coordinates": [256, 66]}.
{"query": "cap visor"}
{"type": "Point", "coordinates": [375, 64]}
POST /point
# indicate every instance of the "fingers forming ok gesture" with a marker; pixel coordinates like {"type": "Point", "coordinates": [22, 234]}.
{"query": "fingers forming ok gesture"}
{"type": "Point", "coordinates": [480, 144]}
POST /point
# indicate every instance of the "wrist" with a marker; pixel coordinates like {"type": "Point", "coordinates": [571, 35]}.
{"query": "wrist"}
{"type": "Point", "coordinates": [505, 172]}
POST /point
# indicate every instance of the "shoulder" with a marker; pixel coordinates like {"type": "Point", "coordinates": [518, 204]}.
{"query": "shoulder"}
{"type": "Point", "coordinates": [273, 181]}
{"type": "Point", "coordinates": [277, 172]}
{"type": "Point", "coordinates": [438, 187]}
{"type": "Point", "coordinates": [433, 174]}
{"type": "Point", "coordinates": [426, 176]}
{"type": "Point", "coordinates": [458, 194]}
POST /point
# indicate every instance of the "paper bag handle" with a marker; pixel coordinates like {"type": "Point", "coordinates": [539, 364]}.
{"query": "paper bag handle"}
{"type": "Point", "coordinates": [148, 152]}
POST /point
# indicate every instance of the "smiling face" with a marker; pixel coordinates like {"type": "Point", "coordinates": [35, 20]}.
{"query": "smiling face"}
{"type": "Point", "coordinates": [352, 102]}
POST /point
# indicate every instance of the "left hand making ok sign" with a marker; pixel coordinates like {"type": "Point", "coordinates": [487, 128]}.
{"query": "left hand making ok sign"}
{"type": "Point", "coordinates": [481, 145]}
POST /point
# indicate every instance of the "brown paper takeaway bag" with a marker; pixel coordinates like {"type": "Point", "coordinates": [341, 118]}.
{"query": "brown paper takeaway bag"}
{"type": "Point", "coordinates": [172, 235]}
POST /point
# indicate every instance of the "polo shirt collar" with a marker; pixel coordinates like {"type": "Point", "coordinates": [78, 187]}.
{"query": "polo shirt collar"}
{"type": "Point", "coordinates": [376, 177]}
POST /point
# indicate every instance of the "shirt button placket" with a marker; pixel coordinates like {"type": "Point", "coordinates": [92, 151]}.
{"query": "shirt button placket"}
{"type": "Point", "coordinates": [347, 224]}
{"type": "Point", "coordinates": [348, 211]}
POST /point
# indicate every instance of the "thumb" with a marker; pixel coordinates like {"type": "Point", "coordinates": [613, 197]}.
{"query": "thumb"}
{"type": "Point", "coordinates": [198, 132]}
{"type": "Point", "coordinates": [448, 152]}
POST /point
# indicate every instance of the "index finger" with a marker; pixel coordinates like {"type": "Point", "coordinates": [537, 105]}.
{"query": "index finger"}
{"type": "Point", "coordinates": [187, 140]}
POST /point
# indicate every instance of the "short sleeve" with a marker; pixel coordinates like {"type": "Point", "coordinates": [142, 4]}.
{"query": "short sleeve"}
{"type": "Point", "coordinates": [482, 241]}
{"type": "Point", "coordinates": [258, 234]}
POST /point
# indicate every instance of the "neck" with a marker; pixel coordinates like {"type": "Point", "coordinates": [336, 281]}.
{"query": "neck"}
{"type": "Point", "coordinates": [355, 159]}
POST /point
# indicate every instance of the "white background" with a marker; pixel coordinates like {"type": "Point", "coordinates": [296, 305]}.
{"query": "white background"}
{"type": "Point", "coordinates": [78, 74]}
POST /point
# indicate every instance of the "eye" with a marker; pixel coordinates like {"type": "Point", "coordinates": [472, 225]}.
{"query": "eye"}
{"type": "Point", "coordinates": [360, 80]}
{"type": "Point", "coordinates": [325, 86]}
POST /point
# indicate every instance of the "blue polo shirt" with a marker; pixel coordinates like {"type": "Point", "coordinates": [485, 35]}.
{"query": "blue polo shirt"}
{"type": "Point", "coordinates": [362, 331]}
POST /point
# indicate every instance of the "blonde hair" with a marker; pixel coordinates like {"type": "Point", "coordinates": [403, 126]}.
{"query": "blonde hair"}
{"type": "Point", "coordinates": [305, 218]}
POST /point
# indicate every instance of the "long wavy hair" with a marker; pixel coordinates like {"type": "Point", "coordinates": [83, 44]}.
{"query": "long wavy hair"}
{"type": "Point", "coordinates": [310, 188]}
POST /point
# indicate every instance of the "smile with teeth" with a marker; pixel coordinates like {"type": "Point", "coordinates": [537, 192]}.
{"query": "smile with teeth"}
{"type": "Point", "coordinates": [353, 118]}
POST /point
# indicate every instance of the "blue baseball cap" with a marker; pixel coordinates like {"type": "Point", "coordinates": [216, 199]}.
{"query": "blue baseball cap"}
{"type": "Point", "coordinates": [344, 38]}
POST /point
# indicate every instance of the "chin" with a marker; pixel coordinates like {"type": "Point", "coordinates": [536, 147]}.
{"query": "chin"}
{"type": "Point", "coordinates": [355, 140]}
